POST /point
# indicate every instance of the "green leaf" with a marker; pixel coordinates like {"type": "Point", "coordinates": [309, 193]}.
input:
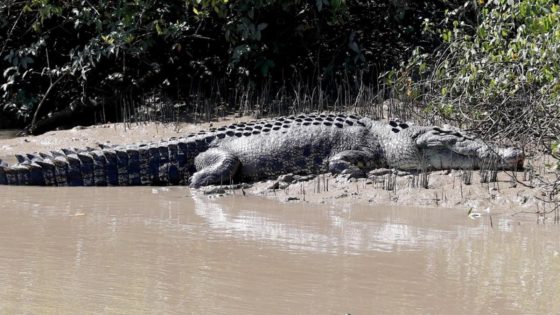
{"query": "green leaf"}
{"type": "Point", "coordinates": [108, 39]}
{"type": "Point", "coordinates": [159, 29]}
{"type": "Point", "coordinates": [554, 147]}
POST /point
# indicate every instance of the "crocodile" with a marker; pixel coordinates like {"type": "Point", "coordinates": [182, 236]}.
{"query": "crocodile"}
{"type": "Point", "coordinates": [260, 149]}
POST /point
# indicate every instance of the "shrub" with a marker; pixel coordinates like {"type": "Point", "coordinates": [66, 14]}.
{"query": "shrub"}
{"type": "Point", "coordinates": [93, 59]}
{"type": "Point", "coordinates": [498, 74]}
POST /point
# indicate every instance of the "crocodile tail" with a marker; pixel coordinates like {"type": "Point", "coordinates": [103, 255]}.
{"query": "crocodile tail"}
{"type": "Point", "coordinates": [3, 180]}
{"type": "Point", "coordinates": [163, 163]}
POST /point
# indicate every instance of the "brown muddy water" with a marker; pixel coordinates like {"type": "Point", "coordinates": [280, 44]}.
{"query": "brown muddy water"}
{"type": "Point", "coordinates": [144, 250]}
{"type": "Point", "coordinates": [8, 133]}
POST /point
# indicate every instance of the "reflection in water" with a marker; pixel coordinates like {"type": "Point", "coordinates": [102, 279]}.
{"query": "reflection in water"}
{"type": "Point", "coordinates": [158, 250]}
{"type": "Point", "coordinates": [343, 234]}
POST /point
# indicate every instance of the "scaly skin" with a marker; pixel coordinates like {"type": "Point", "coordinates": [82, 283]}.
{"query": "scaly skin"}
{"type": "Point", "coordinates": [306, 144]}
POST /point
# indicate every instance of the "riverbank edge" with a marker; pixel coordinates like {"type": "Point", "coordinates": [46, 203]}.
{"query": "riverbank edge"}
{"type": "Point", "coordinates": [515, 193]}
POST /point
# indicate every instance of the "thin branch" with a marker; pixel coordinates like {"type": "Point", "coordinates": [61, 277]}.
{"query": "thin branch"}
{"type": "Point", "coordinates": [36, 114]}
{"type": "Point", "coordinates": [10, 33]}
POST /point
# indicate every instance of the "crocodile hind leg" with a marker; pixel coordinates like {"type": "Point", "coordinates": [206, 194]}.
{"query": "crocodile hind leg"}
{"type": "Point", "coordinates": [352, 163]}
{"type": "Point", "coordinates": [214, 166]}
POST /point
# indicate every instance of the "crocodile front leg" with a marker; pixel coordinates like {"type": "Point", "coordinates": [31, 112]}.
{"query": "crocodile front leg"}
{"type": "Point", "coordinates": [214, 166]}
{"type": "Point", "coordinates": [352, 162]}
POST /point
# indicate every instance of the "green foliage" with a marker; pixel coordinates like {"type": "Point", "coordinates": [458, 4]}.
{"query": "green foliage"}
{"type": "Point", "coordinates": [502, 69]}
{"type": "Point", "coordinates": [96, 55]}
{"type": "Point", "coordinates": [84, 50]}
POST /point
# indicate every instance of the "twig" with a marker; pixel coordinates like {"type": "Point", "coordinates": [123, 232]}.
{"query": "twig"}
{"type": "Point", "coordinates": [36, 114]}
{"type": "Point", "coordinates": [10, 33]}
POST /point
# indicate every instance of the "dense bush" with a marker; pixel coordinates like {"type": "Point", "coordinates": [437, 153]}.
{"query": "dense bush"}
{"type": "Point", "coordinates": [91, 59]}
{"type": "Point", "coordinates": [499, 74]}
{"type": "Point", "coordinates": [74, 55]}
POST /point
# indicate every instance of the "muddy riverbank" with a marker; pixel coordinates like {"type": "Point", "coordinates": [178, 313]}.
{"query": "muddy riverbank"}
{"type": "Point", "coordinates": [513, 193]}
{"type": "Point", "coordinates": [321, 246]}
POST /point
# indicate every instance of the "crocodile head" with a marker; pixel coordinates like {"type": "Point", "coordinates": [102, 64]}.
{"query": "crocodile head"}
{"type": "Point", "coordinates": [452, 149]}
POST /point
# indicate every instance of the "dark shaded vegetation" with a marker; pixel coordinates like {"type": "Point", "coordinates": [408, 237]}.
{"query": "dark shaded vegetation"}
{"type": "Point", "coordinates": [491, 66]}
{"type": "Point", "coordinates": [87, 61]}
